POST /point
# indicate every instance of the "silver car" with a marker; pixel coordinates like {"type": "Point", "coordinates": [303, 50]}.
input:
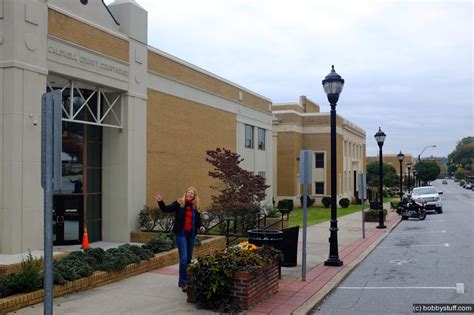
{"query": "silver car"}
{"type": "Point", "coordinates": [430, 195]}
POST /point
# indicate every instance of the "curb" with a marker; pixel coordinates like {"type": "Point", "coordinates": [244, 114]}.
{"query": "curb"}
{"type": "Point", "coordinates": [313, 302]}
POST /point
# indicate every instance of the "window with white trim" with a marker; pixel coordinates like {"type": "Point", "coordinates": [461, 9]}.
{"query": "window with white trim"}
{"type": "Point", "coordinates": [261, 139]}
{"type": "Point", "coordinates": [319, 188]}
{"type": "Point", "coordinates": [319, 160]}
{"type": "Point", "coordinates": [249, 136]}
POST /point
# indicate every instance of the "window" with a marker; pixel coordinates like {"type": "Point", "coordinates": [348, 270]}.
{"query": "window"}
{"type": "Point", "coordinates": [319, 188]}
{"type": "Point", "coordinates": [319, 158]}
{"type": "Point", "coordinates": [261, 174]}
{"type": "Point", "coordinates": [261, 139]}
{"type": "Point", "coordinates": [249, 136]}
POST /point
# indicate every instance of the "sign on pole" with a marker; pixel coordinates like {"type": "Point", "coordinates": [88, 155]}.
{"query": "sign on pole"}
{"type": "Point", "coordinates": [306, 172]}
{"type": "Point", "coordinates": [51, 141]}
{"type": "Point", "coordinates": [362, 194]}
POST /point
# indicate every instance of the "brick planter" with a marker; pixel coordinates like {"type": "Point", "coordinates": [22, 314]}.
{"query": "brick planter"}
{"type": "Point", "coordinates": [100, 278]}
{"type": "Point", "coordinates": [373, 216]}
{"type": "Point", "coordinates": [251, 287]}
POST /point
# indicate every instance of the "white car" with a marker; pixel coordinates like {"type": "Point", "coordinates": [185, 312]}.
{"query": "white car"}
{"type": "Point", "coordinates": [430, 195]}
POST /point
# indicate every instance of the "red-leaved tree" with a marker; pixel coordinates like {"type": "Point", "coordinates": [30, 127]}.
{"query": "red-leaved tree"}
{"type": "Point", "coordinates": [238, 186]}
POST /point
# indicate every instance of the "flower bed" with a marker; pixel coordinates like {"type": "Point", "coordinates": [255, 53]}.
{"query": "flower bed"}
{"type": "Point", "coordinates": [100, 278]}
{"type": "Point", "coordinates": [235, 278]}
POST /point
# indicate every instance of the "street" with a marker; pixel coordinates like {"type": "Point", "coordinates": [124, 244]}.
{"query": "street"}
{"type": "Point", "coordinates": [429, 261]}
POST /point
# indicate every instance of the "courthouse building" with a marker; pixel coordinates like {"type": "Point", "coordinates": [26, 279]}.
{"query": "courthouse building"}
{"type": "Point", "coordinates": [301, 126]}
{"type": "Point", "coordinates": [135, 120]}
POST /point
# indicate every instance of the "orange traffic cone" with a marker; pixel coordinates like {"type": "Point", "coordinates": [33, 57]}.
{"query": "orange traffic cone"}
{"type": "Point", "coordinates": [85, 238]}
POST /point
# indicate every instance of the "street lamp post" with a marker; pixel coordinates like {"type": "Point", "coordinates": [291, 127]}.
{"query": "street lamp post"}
{"type": "Point", "coordinates": [409, 184]}
{"type": "Point", "coordinates": [428, 146]}
{"type": "Point", "coordinates": [380, 138]}
{"type": "Point", "coordinates": [333, 84]}
{"type": "Point", "coordinates": [400, 157]}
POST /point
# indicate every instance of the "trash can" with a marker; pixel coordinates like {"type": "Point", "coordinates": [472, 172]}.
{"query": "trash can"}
{"type": "Point", "coordinates": [265, 237]}
{"type": "Point", "coordinates": [289, 246]}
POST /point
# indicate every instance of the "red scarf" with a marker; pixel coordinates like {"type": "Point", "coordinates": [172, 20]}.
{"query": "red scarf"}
{"type": "Point", "coordinates": [188, 219]}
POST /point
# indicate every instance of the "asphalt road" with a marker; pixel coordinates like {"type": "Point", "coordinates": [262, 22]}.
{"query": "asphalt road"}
{"type": "Point", "coordinates": [429, 261]}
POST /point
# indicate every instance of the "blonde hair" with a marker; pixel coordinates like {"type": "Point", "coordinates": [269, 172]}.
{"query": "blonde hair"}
{"type": "Point", "coordinates": [195, 201]}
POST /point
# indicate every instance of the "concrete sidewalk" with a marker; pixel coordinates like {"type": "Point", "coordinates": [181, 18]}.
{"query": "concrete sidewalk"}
{"type": "Point", "coordinates": [156, 292]}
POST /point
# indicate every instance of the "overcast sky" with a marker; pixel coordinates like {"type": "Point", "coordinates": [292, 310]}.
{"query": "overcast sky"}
{"type": "Point", "coordinates": [407, 65]}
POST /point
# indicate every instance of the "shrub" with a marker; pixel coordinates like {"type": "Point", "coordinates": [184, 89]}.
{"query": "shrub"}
{"type": "Point", "coordinates": [147, 218]}
{"type": "Point", "coordinates": [285, 204]}
{"type": "Point", "coordinates": [159, 244]}
{"type": "Point", "coordinates": [29, 279]}
{"type": "Point", "coordinates": [394, 204]}
{"type": "Point", "coordinates": [212, 275]}
{"type": "Point", "coordinates": [74, 266]}
{"type": "Point", "coordinates": [273, 213]}
{"type": "Point", "coordinates": [344, 202]}
{"type": "Point", "coordinates": [326, 201]}
{"type": "Point", "coordinates": [241, 218]}
{"type": "Point", "coordinates": [4, 286]}
{"type": "Point", "coordinates": [309, 201]}
{"type": "Point", "coordinates": [140, 252]}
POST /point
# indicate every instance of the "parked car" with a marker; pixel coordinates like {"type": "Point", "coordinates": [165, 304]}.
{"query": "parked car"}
{"type": "Point", "coordinates": [430, 195]}
{"type": "Point", "coordinates": [444, 182]}
{"type": "Point", "coordinates": [468, 186]}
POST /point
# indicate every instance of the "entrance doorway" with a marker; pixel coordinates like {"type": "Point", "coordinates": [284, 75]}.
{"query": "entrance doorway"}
{"type": "Point", "coordinates": [86, 109]}
{"type": "Point", "coordinates": [80, 197]}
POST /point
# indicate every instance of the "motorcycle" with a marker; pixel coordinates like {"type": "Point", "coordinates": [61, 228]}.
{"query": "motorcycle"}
{"type": "Point", "coordinates": [410, 208]}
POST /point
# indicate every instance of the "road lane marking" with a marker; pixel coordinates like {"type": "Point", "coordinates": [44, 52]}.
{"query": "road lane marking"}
{"type": "Point", "coordinates": [398, 246]}
{"type": "Point", "coordinates": [459, 288]}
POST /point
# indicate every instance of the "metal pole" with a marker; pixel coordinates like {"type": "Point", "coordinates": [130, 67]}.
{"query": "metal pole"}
{"type": "Point", "coordinates": [305, 205]}
{"type": "Point", "coordinates": [363, 218]}
{"type": "Point", "coordinates": [333, 259]}
{"type": "Point", "coordinates": [47, 146]}
{"type": "Point", "coordinates": [401, 181]}
{"type": "Point", "coordinates": [381, 224]}
{"type": "Point", "coordinates": [409, 184]}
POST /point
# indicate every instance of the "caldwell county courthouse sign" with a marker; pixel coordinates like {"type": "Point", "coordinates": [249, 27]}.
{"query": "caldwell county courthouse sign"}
{"type": "Point", "coordinates": [78, 57]}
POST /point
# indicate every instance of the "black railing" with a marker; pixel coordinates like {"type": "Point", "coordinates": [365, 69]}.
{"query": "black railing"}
{"type": "Point", "coordinates": [237, 227]}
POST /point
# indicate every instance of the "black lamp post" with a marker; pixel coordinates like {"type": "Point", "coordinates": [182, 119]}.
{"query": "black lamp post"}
{"type": "Point", "coordinates": [380, 138]}
{"type": "Point", "coordinates": [400, 158]}
{"type": "Point", "coordinates": [333, 84]}
{"type": "Point", "coordinates": [409, 184]}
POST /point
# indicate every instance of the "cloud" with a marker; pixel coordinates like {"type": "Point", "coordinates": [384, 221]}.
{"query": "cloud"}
{"type": "Point", "coordinates": [408, 65]}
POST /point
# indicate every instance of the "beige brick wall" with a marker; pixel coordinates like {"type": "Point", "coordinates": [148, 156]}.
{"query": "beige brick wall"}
{"type": "Point", "coordinates": [172, 69]}
{"type": "Point", "coordinates": [288, 149]}
{"type": "Point", "coordinates": [82, 34]}
{"type": "Point", "coordinates": [178, 134]}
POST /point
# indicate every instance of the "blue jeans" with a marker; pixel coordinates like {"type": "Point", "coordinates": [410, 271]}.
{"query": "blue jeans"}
{"type": "Point", "coordinates": [185, 250]}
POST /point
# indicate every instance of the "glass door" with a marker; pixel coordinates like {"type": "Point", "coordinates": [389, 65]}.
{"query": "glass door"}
{"type": "Point", "coordinates": [80, 197]}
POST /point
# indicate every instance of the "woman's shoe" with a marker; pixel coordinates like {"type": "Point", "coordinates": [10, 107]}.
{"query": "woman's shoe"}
{"type": "Point", "coordinates": [184, 288]}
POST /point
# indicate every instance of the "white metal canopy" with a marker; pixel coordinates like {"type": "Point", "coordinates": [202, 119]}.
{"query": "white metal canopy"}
{"type": "Point", "coordinates": [106, 112]}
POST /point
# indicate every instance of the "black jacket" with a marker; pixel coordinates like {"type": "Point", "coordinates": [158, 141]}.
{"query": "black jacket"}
{"type": "Point", "coordinates": [179, 216]}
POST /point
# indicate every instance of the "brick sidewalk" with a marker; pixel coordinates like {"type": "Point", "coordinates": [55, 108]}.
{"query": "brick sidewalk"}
{"type": "Point", "coordinates": [296, 296]}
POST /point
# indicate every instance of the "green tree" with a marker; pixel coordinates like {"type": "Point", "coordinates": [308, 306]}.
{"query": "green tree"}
{"type": "Point", "coordinates": [427, 170]}
{"type": "Point", "coordinates": [390, 177]}
{"type": "Point", "coordinates": [459, 174]}
{"type": "Point", "coordinates": [463, 153]}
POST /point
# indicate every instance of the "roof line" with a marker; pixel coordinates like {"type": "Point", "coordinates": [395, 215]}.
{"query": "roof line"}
{"type": "Point", "coordinates": [113, 17]}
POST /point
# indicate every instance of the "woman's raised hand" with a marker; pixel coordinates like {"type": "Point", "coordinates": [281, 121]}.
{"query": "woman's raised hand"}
{"type": "Point", "coordinates": [158, 197]}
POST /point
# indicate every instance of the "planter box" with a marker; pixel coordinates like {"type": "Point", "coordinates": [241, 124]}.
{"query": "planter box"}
{"type": "Point", "coordinates": [100, 278]}
{"type": "Point", "coordinates": [373, 216]}
{"type": "Point", "coordinates": [250, 288]}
